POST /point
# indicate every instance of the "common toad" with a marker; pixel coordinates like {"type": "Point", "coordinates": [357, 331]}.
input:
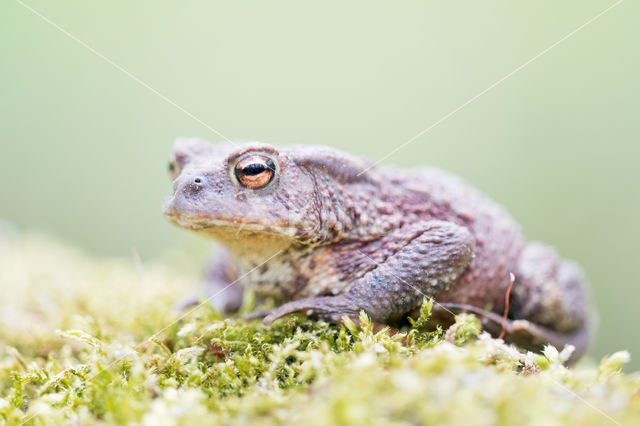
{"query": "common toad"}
{"type": "Point", "coordinates": [327, 234]}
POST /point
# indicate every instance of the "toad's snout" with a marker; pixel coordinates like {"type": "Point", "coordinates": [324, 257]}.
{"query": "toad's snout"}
{"type": "Point", "coordinates": [188, 184]}
{"type": "Point", "coordinates": [186, 192]}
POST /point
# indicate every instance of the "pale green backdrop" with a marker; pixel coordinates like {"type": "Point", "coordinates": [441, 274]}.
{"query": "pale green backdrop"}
{"type": "Point", "coordinates": [84, 146]}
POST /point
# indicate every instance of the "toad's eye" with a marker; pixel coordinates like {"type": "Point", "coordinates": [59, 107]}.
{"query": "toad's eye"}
{"type": "Point", "coordinates": [255, 171]}
{"type": "Point", "coordinates": [174, 169]}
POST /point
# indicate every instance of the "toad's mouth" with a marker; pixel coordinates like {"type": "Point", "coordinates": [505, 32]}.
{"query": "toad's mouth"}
{"type": "Point", "coordinates": [218, 225]}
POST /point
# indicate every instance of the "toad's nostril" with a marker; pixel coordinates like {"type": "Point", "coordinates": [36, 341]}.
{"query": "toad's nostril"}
{"type": "Point", "coordinates": [193, 185]}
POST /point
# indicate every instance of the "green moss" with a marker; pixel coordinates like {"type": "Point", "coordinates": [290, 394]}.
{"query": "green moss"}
{"type": "Point", "coordinates": [85, 341]}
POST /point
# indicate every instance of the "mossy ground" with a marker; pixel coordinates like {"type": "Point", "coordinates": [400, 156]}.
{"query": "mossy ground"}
{"type": "Point", "coordinates": [85, 341]}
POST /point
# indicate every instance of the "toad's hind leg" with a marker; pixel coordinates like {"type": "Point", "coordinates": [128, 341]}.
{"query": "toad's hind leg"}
{"type": "Point", "coordinates": [520, 332]}
{"type": "Point", "coordinates": [550, 293]}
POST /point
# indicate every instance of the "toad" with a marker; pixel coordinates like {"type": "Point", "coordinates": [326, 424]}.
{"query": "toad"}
{"type": "Point", "coordinates": [328, 234]}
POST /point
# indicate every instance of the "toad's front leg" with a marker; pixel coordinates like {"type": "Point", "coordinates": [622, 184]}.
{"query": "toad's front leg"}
{"type": "Point", "coordinates": [219, 287]}
{"type": "Point", "coordinates": [431, 256]}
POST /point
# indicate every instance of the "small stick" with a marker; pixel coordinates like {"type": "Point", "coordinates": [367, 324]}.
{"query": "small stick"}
{"type": "Point", "coordinates": [512, 280]}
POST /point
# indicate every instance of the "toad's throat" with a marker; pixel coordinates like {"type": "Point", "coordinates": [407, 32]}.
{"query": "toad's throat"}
{"type": "Point", "coordinates": [251, 243]}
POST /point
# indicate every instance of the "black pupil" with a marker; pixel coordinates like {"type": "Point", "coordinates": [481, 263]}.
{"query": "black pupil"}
{"type": "Point", "coordinates": [254, 169]}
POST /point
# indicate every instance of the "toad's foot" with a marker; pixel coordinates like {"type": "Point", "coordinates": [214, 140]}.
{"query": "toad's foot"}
{"type": "Point", "coordinates": [520, 332]}
{"type": "Point", "coordinates": [330, 308]}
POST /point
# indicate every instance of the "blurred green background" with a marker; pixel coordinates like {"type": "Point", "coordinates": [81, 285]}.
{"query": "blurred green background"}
{"type": "Point", "coordinates": [84, 146]}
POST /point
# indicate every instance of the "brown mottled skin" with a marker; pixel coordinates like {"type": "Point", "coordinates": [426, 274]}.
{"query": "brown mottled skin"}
{"type": "Point", "coordinates": [328, 235]}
